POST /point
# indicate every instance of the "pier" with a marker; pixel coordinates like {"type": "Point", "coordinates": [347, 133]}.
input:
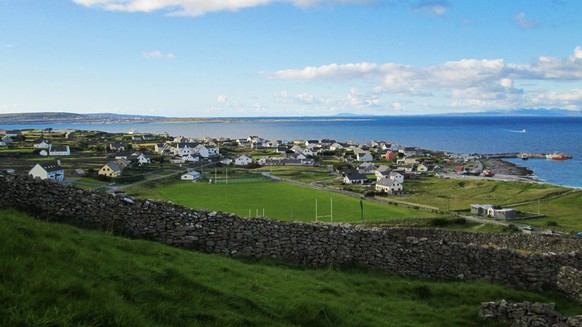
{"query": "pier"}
{"type": "Point", "coordinates": [518, 155]}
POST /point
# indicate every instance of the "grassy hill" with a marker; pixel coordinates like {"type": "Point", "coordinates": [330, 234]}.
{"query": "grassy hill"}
{"type": "Point", "coordinates": [57, 275]}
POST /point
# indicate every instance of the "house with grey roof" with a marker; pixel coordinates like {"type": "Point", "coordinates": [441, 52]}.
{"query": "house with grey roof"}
{"type": "Point", "coordinates": [48, 170]}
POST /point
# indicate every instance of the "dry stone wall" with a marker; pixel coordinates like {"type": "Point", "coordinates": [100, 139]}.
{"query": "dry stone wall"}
{"type": "Point", "coordinates": [527, 314]}
{"type": "Point", "coordinates": [443, 255]}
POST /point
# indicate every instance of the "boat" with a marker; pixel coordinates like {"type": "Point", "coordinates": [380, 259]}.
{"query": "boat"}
{"type": "Point", "coordinates": [558, 156]}
{"type": "Point", "coordinates": [524, 156]}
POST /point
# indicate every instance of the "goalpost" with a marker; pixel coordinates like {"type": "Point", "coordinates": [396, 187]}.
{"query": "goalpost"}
{"type": "Point", "coordinates": [324, 216]}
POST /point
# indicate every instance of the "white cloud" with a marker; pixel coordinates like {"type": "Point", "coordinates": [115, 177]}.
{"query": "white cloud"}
{"type": "Point", "coordinates": [469, 82]}
{"type": "Point", "coordinates": [431, 7]}
{"type": "Point", "coordinates": [521, 21]}
{"type": "Point", "coordinates": [158, 55]}
{"type": "Point", "coordinates": [8, 45]}
{"type": "Point", "coordinates": [196, 7]}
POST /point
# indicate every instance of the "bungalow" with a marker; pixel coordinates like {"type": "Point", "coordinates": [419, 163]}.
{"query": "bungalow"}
{"type": "Point", "coordinates": [406, 161]}
{"type": "Point", "coordinates": [190, 158]}
{"type": "Point", "coordinates": [48, 170]}
{"type": "Point", "coordinates": [136, 138]}
{"type": "Point", "coordinates": [425, 167]}
{"type": "Point", "coordinates": [41, 144]}
{"type": "Point", "coordinates": [364, 156]}
{"type": "Point", "coordinates": [366, 168]}
{"type": "Point", "coordinates": [12, 133]}
{"type": "Point", "coordinates": [111, 169]}
{"type": "Point", "coordinates": [242, 160]}
{"type": "Point", "coordinates": [60, 150]}
{"type": "Point", "coordinates": [355, 179]}
{"type": "Point", "coordinates": [389, 186]}
{"type": "Point", "coordinates": [2, 143]}
{"type": "Point", "coordinates": [148, 137]}
{"type": "Point", "coordinates": [116, 146]}
{"type": "Point", "coordinates": [191, 176]}
{"type": "Point", "coordinates": [501, 213]}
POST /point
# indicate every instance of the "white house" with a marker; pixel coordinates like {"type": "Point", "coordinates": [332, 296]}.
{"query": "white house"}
{"type": "Point", "coordinates": [389, 186]}
{"type": "Point", "coordinates": [48, 170]}
{"type": "Point", "coordinates": [41, 144]}
{"type": "Point", "coordinates": [336, 146]}
{"type": "Point", "coordinates": [190, 158]}
{"type": "Point", "coordinates": [396, 176]}
{"type": "Point", "coordinates": [213, 151]}
{"type": "Point", "coordinates": [242, 160]}
{"type": "Point", "coordinates": [60, 150]}
{"type": "Point", "coordinates": [191, 176]}
{"type": "Point", "coordinates": [308, 152]}
{"type": "Point", "coordinates": [140, 158]}
{"type": "Point", "coordinates": [364, 157]}
{"type": "Point", "coordinates": [355, 179]}
{"type": "Point", "coordinates": [184, 149]}
{"type": "Point", "coordinates": [382, 172]}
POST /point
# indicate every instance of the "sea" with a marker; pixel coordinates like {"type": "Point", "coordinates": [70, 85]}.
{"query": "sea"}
{"type": "Point", "coordinates": [460, 134]}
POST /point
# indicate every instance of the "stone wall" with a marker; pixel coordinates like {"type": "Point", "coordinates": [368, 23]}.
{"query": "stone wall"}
{"type": "Point", "coordinates": [527, 314]}
{"type": "Point", "coordinates": [427, 253]}
{"type": "Point", "coordinates": [569, 281]}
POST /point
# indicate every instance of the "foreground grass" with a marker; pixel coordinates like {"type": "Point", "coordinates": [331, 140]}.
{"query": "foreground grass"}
{"type": "Point", "coordinates": [280, 201]}
{"type": "Point", "coordinates": [57, 275]}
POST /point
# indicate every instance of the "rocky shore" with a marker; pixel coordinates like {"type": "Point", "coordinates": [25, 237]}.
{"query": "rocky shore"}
{"type": "Point", "coordinates": [501, 167]}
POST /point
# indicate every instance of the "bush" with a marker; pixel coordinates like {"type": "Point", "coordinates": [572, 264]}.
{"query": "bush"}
{"type": "Point", "coordinates": [551, 223]}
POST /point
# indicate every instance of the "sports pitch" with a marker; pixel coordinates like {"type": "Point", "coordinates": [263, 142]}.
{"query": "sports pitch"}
{"type": "Point", "coordinates": [280, 201]}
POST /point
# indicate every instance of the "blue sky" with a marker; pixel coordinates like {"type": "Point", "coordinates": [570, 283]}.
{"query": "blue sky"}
{"type": "Point", "coordinates": [233, 58]}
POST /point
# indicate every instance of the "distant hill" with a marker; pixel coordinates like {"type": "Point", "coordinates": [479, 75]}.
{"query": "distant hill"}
{"type": "Point", "coordinates": [543, 112]}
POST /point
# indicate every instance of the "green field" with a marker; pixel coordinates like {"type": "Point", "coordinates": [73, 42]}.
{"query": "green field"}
{"type": "Point", "coordinates": [57, 275]}
{"type": "Point", "coordinates": [279, 200]}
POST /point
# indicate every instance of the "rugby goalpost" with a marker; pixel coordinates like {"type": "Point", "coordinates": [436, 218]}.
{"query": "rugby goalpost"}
{"type": "Point", "coordinates": [324, 216]}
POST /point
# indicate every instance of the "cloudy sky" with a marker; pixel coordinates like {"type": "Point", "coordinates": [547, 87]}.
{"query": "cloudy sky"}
{"type": "Point", "coordinates": [234, 58]}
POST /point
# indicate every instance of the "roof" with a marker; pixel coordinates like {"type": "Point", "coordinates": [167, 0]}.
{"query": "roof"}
{"type": "Point", "coordinates": [386, 182]}
{"type": "Point", "coordinates": [59, 148]}
{"type": "Point", "coordinates": [356, 177]}
{"type": "Point", "coordinates": [50, 166]}
{"type": "Point", "coordinates": [384, 168]}
{"type": "Point", "coordinates": [113, 166]}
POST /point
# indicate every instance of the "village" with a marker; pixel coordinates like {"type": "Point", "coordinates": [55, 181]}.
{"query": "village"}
{"type": "Point", "coordinates": [111, 161]}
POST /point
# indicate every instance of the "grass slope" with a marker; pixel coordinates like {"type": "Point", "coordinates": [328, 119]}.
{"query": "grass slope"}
{"type": "Point", "coordinates": [57, 275]}
{"type": "Point", "coordinates": [281, 201]}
